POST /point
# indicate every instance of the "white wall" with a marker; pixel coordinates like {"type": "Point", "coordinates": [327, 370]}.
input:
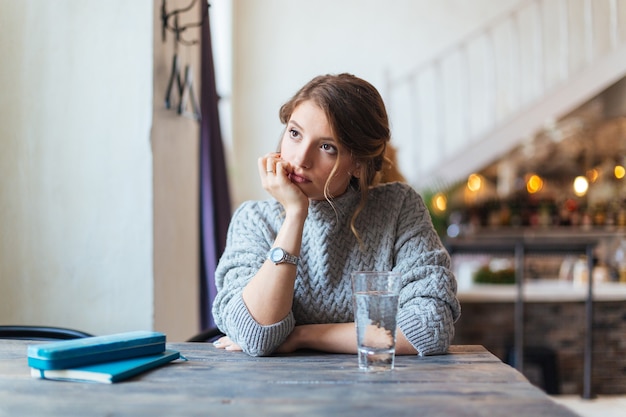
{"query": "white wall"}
{"type": "Point", "coordinates": [76, 164]}
{"type": "Point", "coordinates": [281, 44]}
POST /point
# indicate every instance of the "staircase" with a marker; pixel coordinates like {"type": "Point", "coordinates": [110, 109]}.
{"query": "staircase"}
{"type": "Point", "coordinates": [497, 87]}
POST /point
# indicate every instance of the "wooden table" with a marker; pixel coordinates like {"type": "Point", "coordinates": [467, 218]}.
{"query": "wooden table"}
{"type": "Point", "coordinates": [469, 381]}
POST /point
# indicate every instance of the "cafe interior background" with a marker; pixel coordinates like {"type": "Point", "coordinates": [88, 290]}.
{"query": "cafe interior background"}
{"type": "Point", "coordinates": [498, 108]}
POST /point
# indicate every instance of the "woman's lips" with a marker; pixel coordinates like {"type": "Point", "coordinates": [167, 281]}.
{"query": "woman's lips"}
{"type": "Point", "coordinates": [295, 178]}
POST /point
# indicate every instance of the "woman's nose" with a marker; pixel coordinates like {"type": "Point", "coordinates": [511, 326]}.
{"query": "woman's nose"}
{"type": "Point", "coordinates": [304, 156]}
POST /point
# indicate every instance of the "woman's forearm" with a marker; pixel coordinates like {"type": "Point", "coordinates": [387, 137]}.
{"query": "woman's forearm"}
{"type": "Point", "coordinates": [269, 294]}
{"type": "Point", "coordinates": [335, 338]}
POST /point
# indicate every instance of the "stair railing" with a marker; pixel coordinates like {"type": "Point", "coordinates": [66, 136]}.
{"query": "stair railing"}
{"type": "Point", "coordinates": [445, 105]}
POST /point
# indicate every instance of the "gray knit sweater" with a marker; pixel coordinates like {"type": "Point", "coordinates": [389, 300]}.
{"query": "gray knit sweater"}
{"type": "Point", "coordinates": [397, 234]}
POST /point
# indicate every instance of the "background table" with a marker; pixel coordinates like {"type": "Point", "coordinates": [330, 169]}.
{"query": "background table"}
{"type": "Point", "coordinates": [469, 381]}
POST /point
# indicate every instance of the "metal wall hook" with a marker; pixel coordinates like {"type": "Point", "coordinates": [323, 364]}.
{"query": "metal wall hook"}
{"type": "Point", "coordinates": [184, 87]}
{"type": "Point", "coordinates": [167, 17]}
{"type": "Point", "coordinates": [178, 82]}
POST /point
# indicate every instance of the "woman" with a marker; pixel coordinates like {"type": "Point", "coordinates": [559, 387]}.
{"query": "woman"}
{"type": "Point", "coordinates": [284, 278]}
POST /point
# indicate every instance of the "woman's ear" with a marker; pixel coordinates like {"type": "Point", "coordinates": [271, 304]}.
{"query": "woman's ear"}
{"type": "Point", "coordinates": [356, 173]}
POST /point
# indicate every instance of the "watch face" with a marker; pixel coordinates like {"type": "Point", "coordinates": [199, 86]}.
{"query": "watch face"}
{"type": "Point", "coordinates": [276, 255]}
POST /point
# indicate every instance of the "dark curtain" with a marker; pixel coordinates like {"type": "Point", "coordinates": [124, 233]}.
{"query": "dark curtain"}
{"type": "Point", "coordinates": [214, 196]}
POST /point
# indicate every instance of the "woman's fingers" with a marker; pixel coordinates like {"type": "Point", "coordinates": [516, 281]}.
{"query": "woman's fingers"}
{"type": "Point", "coordinates": [268, 164]}
{"type": "Point", "coordinates": [226, 344]}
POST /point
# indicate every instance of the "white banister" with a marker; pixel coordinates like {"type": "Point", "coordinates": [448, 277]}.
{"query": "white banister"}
{"type": "Point", "coordinates": [614, 23]}
{"type": "Point", "coordinates": [588, 30]}
{"type": "Point", "coordinates": [564, 39]}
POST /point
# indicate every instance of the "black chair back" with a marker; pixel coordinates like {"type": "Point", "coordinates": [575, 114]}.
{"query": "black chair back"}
{"type": "Point", "coordinates": [207, 335]}
{"type": "Point", "coordinates": [40, 333]}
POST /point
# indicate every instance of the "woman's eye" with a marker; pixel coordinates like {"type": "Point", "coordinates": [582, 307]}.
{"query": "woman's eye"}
{"type": "Point", "coordinates": [294, 133]}
{"type": "Point", "coordinates": [329, 148]}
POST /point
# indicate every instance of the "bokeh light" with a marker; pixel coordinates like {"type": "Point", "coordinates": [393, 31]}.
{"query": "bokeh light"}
{"type": "Point", "coordinates": [440, 202]}
{"type": "Point", "coordinates": [534, 184]}
{"type": "Point", "coordinates": [581, 185]}
{"type": "Point", "coordinates": [474, 182]}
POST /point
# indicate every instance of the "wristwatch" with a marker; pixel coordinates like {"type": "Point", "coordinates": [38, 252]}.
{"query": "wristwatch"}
{"type": "Point", "coordinates": [279, 256]}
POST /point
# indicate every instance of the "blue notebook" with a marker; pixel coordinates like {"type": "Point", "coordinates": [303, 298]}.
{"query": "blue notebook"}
{"type": "Point", "coordinates": [90, 350]}
{"type": "Point", "coordinates": [108, 372]}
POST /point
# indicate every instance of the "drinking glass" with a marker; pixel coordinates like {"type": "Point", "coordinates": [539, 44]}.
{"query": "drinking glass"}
{"type": "Point", "coordinates": [375, 297]}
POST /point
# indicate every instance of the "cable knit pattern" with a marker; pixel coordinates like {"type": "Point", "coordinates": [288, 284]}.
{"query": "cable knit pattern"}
{"type": "Point", "coordinates": [397, 234]}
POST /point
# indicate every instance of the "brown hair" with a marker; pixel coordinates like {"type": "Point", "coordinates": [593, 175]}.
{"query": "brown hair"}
{"type": "Point", "coordinates": [358, 118]}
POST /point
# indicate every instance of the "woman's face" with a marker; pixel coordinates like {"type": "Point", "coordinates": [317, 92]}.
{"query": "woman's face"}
{"type": "Point", "coordinates": [309, 145]}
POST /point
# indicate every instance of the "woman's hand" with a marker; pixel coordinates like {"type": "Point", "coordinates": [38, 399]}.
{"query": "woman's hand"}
{"type": "Point", "coordinates": [274, 173]}
{"type": "Point", "coordinates": [225, 343]}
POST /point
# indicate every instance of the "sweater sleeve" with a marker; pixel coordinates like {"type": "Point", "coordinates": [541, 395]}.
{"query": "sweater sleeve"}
{"type": "Point", "coordinates": [249, 238]}
{"type": "Point", "coordinates": [428, 306]}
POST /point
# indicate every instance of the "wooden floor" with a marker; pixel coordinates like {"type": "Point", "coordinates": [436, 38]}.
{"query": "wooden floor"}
{"type": "Point", "coordinates": [604, 406]}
